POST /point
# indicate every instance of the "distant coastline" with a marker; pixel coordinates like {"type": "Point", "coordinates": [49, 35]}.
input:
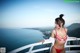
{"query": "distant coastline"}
{"type": "Point", "coordinates": [73, 30]}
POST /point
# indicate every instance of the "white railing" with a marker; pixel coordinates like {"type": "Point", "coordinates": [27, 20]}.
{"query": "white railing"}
{"type": "Point", "coordinates": [31, 46]}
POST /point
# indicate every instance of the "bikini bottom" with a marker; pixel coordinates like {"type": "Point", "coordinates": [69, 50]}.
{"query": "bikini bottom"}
{"type": "Point", "coordinates": [58, 50]}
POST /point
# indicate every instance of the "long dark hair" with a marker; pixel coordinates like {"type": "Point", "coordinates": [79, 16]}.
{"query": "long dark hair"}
{"type": "Point", "coordinates": [60, 20]}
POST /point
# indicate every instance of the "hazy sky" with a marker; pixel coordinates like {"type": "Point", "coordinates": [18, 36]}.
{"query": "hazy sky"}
{"type": "Point", "coordinates": [37, 13]}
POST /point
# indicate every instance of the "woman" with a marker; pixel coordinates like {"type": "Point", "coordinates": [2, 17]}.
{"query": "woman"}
{"type": "Point", "coordinates": [60, 35]}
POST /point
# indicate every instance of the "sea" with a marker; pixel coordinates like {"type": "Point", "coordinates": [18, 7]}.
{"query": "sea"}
{"type": "Point", "coordinates": [14, 38]}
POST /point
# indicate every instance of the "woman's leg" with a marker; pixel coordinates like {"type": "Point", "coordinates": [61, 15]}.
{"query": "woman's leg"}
{"type": "Point", "coordinates": [53, 50]}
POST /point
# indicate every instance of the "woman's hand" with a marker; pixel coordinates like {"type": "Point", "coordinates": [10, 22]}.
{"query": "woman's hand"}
{"type": "Point", "coordinates": [42, 41]}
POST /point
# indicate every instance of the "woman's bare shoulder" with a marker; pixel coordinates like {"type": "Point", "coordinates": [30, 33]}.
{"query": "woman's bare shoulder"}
{"type": "Point", "coordinates": [66, 29]}
{"type": "Point", "coordinates": [53, 31]}
{"type": "Point", "coordinates": [53, 34]}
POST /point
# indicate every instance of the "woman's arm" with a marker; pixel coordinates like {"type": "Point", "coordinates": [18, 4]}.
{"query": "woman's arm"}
{"type": "Point", "coordinates": [53, 34]}
{"type": "Point", "coordinates": [67, 36]}
{"type": "Point", "coordinates": [66, 30]}
{"type": "Point", "coordinates": [51, 39]}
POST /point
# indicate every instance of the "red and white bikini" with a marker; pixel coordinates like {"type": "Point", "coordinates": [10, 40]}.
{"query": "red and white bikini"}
{"type": "Point", "coordinates": [60, 39]}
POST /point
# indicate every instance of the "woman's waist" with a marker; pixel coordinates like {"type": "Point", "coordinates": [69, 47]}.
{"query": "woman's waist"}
{"type": "Point", "coordinates": [60, 41]}
{"type": "Point", "coordinates": [58, 45]}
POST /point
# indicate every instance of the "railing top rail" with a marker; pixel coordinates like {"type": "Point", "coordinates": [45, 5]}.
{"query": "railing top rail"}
{"type": "Point", "coordinates": [40, 43]}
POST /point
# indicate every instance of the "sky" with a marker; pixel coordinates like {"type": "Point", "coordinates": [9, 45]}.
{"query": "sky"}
{"type": "Point", "coordinates": [37, 13]}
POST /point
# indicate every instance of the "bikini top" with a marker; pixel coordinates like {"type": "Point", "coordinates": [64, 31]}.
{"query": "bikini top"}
{"type": "Point", "coordinates": [61, 38]}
